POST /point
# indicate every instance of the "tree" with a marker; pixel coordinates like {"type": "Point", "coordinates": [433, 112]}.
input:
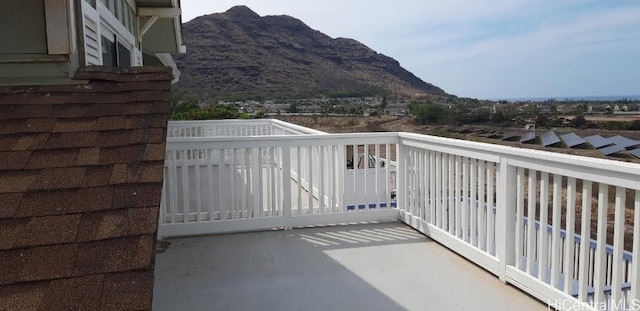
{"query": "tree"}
{"type": "Point", "coordinates": [427, 113]}
{"type": "Point", "coordinates": [499, 118]}
{"type": "Point", "coordinates": [542, 120]}
{"type": "Point", "coordinates": [579, 121]}
{"type": "Point", "coordinates": [293, 108]}
{"type": "Point", "coordinates": [181, 102]}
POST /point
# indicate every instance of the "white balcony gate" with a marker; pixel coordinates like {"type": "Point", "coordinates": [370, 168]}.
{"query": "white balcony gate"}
{"type": "Point", "coordinates": [512, 211]}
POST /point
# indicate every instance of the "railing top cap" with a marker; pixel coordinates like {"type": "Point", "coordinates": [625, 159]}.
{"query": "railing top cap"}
{"type": "Point", "coordinates": [241, 122]}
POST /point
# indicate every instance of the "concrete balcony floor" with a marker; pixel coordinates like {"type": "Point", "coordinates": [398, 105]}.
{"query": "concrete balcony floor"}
{"type": "Point", "coordinates": [386, 266]}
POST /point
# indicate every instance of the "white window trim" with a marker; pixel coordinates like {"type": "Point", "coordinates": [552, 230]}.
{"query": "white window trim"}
{"type": "Point", "coordinates": [57, 26]}
{"type": "Point", "coordinates": [108, 20]}
{"type": "Point", "coordinates": [109, 24]}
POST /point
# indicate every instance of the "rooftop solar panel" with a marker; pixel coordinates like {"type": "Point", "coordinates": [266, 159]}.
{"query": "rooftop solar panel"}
{"type": "Point", "coordinates": [572, 140]}
{"type": "Point", "coordinates": [623, 141]}
{"type": "Point", "coordinates": [528, 136]}
{"type": "Point", "coordinates": [598, 141]}
{"type": "Point", "coordinates": [635, 153]}
{"type": "Point", "coordinates": [611, 149]}
{"type": "Point", "coordinates": [550, 138]}
{"type": "Point", "coordinates": [508, 136]}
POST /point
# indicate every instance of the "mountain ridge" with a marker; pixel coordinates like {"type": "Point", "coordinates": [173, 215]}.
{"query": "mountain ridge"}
{"type": "Point", "coordinates": [240, 52]}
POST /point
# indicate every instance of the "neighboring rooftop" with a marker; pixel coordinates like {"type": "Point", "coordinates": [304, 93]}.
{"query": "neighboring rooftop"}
{"type": "Point", "coordinates": [81, 169]}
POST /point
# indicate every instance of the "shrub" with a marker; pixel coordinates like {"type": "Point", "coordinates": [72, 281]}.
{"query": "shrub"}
{"type": "Point", "coordinates": [207, 113]}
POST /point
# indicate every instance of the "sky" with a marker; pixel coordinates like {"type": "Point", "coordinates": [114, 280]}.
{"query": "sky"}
{"type": "Point", "coordinates": [486, 49]}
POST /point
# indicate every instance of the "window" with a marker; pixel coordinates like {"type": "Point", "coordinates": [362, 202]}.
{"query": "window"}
{"type": "Point", "coordinates": [114, 53]}
{"type": "Point", "coordinates": [109, 54]}
{"type": "Point", "coordinates": [124, 56]}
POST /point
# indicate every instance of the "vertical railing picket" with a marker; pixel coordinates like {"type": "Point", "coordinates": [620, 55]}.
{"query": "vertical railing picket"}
{"type": "Point", "coordinates": [531, 224]}
{"type": "Point", "coordinates": [439, 191]}
{"type": "Point", "coordinates": [482, 209]}
{"type": "Point", "coordinates": [473, 202]}
{"type": "Point", "coordinates": [246, 184]}
{"type": "Point", "coordinates": [184, 169]}
{"type": "Point", "coordinates": [221, 188]}
{"type": "Point", "coordinates": [300, 176]}
{"type": "Point", "coordinates": [261, 184]}
{"type": "Point", "coordinates": [256, 169]}
{"type": "Point", "coordinates": [198, 185]}
{"type": "Point", "coordinates": [211, 179]}
{"type": "Point", "coordinates": [341, 169]}
{"type": "Point", "coordinates": [432, 187]}
{"type": "Point", "coordinates": [556, 242]}
{"type": "Point", "coordinates": [309, 160]}
{"type": "Point", "coordinates": [387, 174]}
{"type": "Point", "coordinates": [424, 185]}
{"type": "Point", "coordinates": [355, 176]}
{"type": "Point", "coordinates": [465, 199]}
{"type": "Point", "coordinates": [333, 177]}
{"type": "Point", "coordinates": [634, 294]}
{"type": "Point", "coordinates": [286, 186]}
{"type": "Point", "coordinates": [173, 181]}
{"type": "Point", "coordinates": [445, 191]}
{"type": "Point", "coordinates": [519, 216]}
{"type": "Point", "coordinates": [278, 181]}
{"type": "Point", "coordinates": [451, 197]}
{"type": "Point", "coordinates": [411, 184]}
{"type": "Point", "coordinates": [458, 197]}
{"type": "Point", "coordinates": [322, 167]}
{"type": "Point", "coordinates": [569, 241]}
{"type": "Point", "coordinates": [585, 234]}
{"type": "Point", "coordinates": [377, 175]}
{"type": "Point", "coordinates": [618, 245]}
{"type": "Point", "coordinates": [270, 182]}
{"type": "Point", "coordinates": [491, 222]}
{"type": "Point", "coordinates": [543, 241]}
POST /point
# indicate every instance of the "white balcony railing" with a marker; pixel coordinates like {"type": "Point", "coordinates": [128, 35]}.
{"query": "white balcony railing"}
{"type": "Point", "coordinates": [233, 128]}
{"type": "Point", "coordinates": [512, 211]}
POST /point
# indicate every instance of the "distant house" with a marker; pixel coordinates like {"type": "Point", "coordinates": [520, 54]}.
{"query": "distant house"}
{"type": "Point", "coordinates": [51, 39]}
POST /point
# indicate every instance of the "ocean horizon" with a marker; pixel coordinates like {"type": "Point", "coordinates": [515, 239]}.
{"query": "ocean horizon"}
{"type": "Point", "coordinates": [562, 98]}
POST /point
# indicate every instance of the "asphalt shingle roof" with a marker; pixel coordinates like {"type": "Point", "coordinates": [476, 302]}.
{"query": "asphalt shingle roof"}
{"type": "Point", "coordinates": [80, 184]}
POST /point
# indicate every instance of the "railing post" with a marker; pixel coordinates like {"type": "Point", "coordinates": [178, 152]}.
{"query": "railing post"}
{"type": "Point", "coordinates": [505, 218]}
{"type": "Point", "coordinates": [286, 186]}
{"type": "Point", "coordinates": [401, 176]}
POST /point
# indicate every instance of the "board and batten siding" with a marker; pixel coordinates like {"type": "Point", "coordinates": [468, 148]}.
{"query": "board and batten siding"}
{"type": "Point", "coordinates": [23, 24]}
